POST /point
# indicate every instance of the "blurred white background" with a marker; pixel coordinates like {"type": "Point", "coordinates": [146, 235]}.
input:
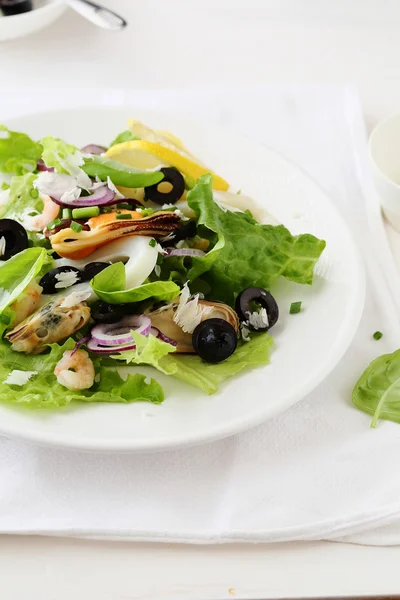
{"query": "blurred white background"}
{"type": "Point", "coordinates": [181, 43]}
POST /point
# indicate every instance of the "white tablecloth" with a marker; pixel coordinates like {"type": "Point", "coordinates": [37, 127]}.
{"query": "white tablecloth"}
{"type": "Point", "coordinates": [315, 472]}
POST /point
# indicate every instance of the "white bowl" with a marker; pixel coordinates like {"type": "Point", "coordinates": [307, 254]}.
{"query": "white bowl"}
{"type": "Point", "coordinates": [384, 152]}
{"type": "Point", "coordinates": [42, 15]}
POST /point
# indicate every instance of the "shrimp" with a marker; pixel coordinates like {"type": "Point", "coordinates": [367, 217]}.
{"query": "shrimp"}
{"type": "Point", "coordinates": [50, 212]}
{"type": "Point", "coordinates": [75, 371]}
{"type": "Point", "coordinates": [26, 303]}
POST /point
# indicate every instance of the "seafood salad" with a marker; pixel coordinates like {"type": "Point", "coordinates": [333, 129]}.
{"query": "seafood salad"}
{"type": "Point", "coordinates": [132, 254]}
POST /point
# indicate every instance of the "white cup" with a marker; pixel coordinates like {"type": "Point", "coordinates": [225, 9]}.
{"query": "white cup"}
{"type": "Point", "coordinates": [384, 153]}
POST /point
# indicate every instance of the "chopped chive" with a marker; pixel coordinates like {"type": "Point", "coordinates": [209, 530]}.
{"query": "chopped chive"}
{"type": "Point", "coordinates": [77, 227]}
{"type": "Point", "coordinates": [126, 216]}
{"type": "Point", "coordinates": [125, 205]}
{"type": "Point", "coordinates": [53, 224]}
{"type": "Point", "coordinates": [295, 308]}
{"type": "Point", "coordinates": [152, 243]}
{"type": "Point", "coordinates": [377, 335]}
{"type": "Point", "coordinates": [146, 212]}
{"type": "Point", "coordinates": [85, 213]}
{"type": "Point", "coordinates": [5, 186]}
{"type": "Point", "coordinates": [67, 213]}
{"type": "Point", "coordinates": [5, 319]}
{"type": "Point", "coordinates": [34, 193]}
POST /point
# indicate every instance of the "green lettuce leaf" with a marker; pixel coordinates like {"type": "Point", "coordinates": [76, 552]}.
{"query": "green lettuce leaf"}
{"type": "Point", "coordinates": [16, 274]}
{"type": "Point", "coordinates": [247, 253]}
{"type": "Point", "coordinates": [56, 152]}
{"type": "Point", "coordinates": [120, 174]}
{"type": "Point", "coordinates": [109, 286]}
{"type": "Point", "coordinates": [43, 390]}
{"type": "Point", "coordinates": [22, 198]}
{"type": "Point", "coordinates": [190, 368]}
{"type": "Point", "coordinates": [124, 136]}
{"type": "Point", "coordinates": [18, 152]}
{"type": "Point", "coordinates": [377, 392]}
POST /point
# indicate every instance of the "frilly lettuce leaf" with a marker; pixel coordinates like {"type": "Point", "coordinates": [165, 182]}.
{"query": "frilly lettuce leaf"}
{"type": "Point", "coordinates": [190, 368]}
{"type": "Point", "coordinates": [21, 198]}
{"type": "Point", "coordinates": [43, 390]}
{"type": "Point", "coordinates": [16, 274]}
{"type": "Point", "coordinates": [109, 286]}
{"type": "Point", "coordinates": [56, 152]}
{"type": "Point", "coordinates": [247, 253]}
{"type": "Point", "coordinates": [18, 152]}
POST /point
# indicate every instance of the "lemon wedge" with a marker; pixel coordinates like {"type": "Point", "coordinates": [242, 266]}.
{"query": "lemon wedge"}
{"type": "Point", "coordinates": [143, 154]}
{"type": "Point", "coordinates": [160, 147]}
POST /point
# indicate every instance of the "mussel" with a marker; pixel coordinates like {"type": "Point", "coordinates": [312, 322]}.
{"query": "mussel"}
{"type": "Point", "coordinates": [111, 226]}
{"type": "Point", "coordinates": [180, 328]}
{"type": "Point", "coordinates": [51, 323]}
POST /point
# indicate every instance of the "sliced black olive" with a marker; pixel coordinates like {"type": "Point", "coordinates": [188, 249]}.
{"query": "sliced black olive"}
{"type": "Point", "coordinates": [15, 7]}
{"type": "Point", "coordinates": [109, 313]}
{"type": "Point", "coordinates": [15, 236]}
{"type": "Point", "coordinates": [52, 284]}
{"type": "Point", "coordinates": [93, 269]}
{"type": "Point", "coordinates": [214, 340]}
{"type": "Point", "coordinates": [187, 230]}
{"type": "Point", "coordinates": [175, 179]}
{"type": "Point", "coordinates": [247, 303]}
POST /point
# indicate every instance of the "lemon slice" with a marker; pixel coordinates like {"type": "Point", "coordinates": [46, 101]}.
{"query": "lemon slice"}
{"type": "Point", "coordinates": [144, 154]}
{"type": "Point", "coordinates": [165, 138]}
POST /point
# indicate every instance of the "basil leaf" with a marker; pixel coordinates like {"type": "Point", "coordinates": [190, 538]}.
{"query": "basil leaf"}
{"type": "Point", "coordinates": [120, 174]}
{"type": "Point", "coordinates": [377, 392]}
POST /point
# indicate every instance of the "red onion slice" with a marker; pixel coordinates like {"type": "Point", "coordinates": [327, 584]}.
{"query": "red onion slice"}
{"type": "Point", "coordinates": [183, 252]}
{"type": "Point", "coordinates": [93, 149]}
{"type": "Point", "coordinates": [102, 196]}
{"type": "Point", "coordinates": [99, 349]}
{"type": "Point", "coordinates": [115, 334]}
{"type": "Point", "coordinates": [42, 167]}
{"type": "Point", "coordinates": [159, 334]}
{"type": "Point", "coordinates": [79, 343]}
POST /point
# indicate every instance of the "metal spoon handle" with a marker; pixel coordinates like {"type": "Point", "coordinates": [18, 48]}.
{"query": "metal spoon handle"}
{"type": "Point", "coordinates": [99, 15]}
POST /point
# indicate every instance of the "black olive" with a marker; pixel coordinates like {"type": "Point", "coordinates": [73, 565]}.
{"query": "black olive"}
{"type": "Point", "coordinates": [15, 7]}
{"type": "Point", "coordinates": [92, 269]}
{"type": "Point", "coordinates": [16, 238]}
{"type": "Point", "coordinates": [258, 296]}
{"type": "Point", "coordinates": [214, 340]}
{"type": "Point", "coordinates": [172, 176]}
{"type": "Point", "coordinates": [187, 230]}
{"type": "Point", "coordinates": [50, 280]}
{"type": "Point", "coordinates": [109, 313]}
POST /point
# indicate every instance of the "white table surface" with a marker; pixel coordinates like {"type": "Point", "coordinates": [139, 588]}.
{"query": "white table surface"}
{"type": "Point", "coordinates": [180, 43]}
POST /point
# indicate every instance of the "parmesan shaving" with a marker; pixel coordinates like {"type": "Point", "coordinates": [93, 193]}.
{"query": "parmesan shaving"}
{"type": "Point", "coordinates": [189, 314]}
{"type": "Point", "coordinates": [17, 377]}
{"type": "Point", "coordinates": [74, 299]}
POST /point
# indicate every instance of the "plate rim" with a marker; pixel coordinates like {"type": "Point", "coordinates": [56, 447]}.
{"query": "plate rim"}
{"type": "Point", "coordinates": [236, 425]}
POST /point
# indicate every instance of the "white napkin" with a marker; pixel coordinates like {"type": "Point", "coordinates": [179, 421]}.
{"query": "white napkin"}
{"type": "Point", "coordinates": [315, 472]}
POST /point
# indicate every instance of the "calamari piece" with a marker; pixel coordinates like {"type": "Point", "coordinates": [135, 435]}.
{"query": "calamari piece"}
{"type": "Point", "coordinates": [52, 323]}
{"type": "Point", "coordinates": [107, 227]}
{"type": "Point", "coordinates": [165, 319]}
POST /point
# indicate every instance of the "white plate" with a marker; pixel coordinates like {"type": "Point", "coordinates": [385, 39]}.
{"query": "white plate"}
{"type": "Point", "coordinates": [307, 345]}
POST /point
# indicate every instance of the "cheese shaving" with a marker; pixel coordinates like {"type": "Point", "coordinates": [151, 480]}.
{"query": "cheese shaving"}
{"type": "Point", "coordinates": [74, 299]}
{"type": "Point", "coordinates": [188, 313]}
{"type": "Point", "coordinates": [17, 377]}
